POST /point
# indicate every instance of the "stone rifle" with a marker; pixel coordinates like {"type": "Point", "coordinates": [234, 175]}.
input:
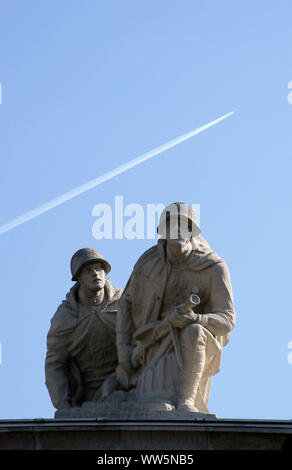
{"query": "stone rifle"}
{"type": "Point", "coordinates": [153, 332]}
{"type": "Point", "coordinates": [150, 334]}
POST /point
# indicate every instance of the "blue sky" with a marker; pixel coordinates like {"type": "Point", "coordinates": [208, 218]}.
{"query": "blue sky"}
{"type": "Point", "coordinates": [87, 86]}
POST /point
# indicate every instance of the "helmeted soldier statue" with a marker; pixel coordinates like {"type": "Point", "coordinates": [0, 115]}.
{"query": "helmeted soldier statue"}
{"type": "Point", "coordinates": [174, 317]}
{"type": "Point", "coordinates": [81, 343]}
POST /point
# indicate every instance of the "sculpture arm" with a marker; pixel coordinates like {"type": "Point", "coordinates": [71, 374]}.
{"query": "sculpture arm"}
{"type": "Point", "coordinates": [57, 373]}
{"type": "Point", "coordinates": [220, 319]}
{"type": "Point", "coordinates": [125, 326]}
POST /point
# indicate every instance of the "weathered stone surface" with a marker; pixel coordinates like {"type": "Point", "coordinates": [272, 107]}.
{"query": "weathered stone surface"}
{"type": "Point", "coordinates": [119, 405]}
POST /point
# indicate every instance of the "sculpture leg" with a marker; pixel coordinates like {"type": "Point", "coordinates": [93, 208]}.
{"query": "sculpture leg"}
{"type": "Point", "coordinates": [193, 346]}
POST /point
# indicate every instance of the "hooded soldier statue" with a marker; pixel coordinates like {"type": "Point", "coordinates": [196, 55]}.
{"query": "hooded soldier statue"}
{"type": "Point", "coordinates": [174, 317]}
{"type": "Point", "coordinates": [81, 344]}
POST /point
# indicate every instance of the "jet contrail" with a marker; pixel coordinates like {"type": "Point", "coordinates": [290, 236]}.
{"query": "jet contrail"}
{"type": "Point", "coordinates": [107, 176]}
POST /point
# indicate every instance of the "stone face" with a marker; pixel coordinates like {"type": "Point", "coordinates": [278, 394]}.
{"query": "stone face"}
{"type": "Point", "coordinates": [81, 344]}
{"type": "Point", "coordinates": [175, 316]}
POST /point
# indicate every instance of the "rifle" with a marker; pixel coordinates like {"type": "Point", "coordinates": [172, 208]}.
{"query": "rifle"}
{"type": "Point", "coordinates": [153, 332]}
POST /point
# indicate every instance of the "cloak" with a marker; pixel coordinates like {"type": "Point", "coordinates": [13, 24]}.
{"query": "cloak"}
{"type": "Point", "coordinates": [80, 342]}
{"type": "Point", "coordinates": [204, 273]}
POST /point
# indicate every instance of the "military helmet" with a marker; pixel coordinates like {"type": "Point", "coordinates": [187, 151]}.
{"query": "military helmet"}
{"type": "Point", "coordinates": [178, 212]}
{"type": "Point", "coordinates": [85, 256]}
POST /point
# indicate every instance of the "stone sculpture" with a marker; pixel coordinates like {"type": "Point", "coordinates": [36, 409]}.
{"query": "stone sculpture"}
{"type": "Point", "coordinates": [81, 344]}
{"type": "Point", "coordinates": [174, 317]}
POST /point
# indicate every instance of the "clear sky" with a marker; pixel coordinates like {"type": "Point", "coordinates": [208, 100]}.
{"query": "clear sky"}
{"type": "Point", "coordinates": [87, 86]}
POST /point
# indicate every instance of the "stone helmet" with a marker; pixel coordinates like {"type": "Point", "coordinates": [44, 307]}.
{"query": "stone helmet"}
{"type": "Point", "coordinates": [178, 211]}
{"type": "Point", "coordinates": [85, 256]}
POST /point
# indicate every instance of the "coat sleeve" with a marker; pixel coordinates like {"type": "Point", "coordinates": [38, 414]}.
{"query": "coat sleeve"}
{"type": "Point", "coordinates": [125, 326]}
{"type": "Point", "coordinates": [57, 368]}
{"type": "Point", "coordinates": [220, 319]}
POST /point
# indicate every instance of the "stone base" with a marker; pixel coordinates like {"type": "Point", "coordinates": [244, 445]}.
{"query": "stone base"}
{"type": "Point", "coordinates": [144, 434]}
{"type": "Point", "coordinates": [119, 406]}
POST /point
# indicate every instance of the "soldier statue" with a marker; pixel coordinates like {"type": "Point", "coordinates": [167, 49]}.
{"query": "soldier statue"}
{"type": "Point", "coordinates": [174, 317]}
{"type": "Point", "coordinates": [81, 344]}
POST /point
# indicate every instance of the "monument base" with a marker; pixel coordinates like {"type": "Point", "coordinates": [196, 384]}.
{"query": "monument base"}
{"type": "Point", "coordinates": [119, 405]}
{"type": "Point", "coordinates": [145, 434]}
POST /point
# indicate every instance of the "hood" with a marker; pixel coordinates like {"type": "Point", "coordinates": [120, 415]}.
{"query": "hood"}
{"type": "Point", "coordinates": [112, 294]}
{"type": "Point", "coordinates": [200, 258]}
{"type": "Point", "coordinates": [67, 314]}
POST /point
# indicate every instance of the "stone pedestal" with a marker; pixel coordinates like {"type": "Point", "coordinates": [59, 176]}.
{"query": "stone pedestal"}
{"type": "Point", "coordinates": [144, 434]}
{"type": "Point", "coordinates": [123, 408]}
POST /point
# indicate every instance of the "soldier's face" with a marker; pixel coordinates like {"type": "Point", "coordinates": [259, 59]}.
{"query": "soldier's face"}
{"type": "Point", "coordinates": [179, 246]}
{"type": "Point", "coordinates": [92, 276]}
{"type": "Point", "coordinates": [178, 238]}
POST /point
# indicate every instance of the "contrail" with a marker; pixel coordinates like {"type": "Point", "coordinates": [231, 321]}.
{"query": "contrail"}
{"type": "Point", "coordinates": [107, 176]}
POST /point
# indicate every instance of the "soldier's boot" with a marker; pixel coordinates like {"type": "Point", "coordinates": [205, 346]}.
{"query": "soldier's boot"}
{"type": "Point", "coordinates": [193, 342]}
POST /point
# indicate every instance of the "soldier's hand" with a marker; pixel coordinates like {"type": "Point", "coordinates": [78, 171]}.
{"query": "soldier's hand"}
{"type": "Point", "coordinates": [179, 320]}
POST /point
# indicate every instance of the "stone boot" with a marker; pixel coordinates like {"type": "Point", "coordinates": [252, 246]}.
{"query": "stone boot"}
{"type": "Point", "coordinates": [193, 353]}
